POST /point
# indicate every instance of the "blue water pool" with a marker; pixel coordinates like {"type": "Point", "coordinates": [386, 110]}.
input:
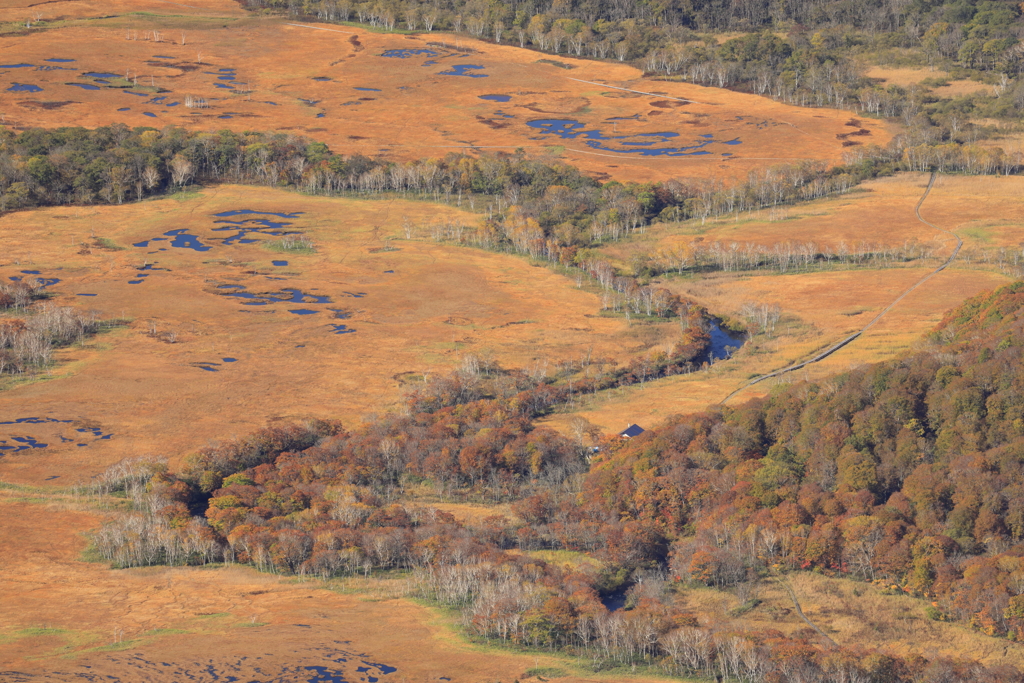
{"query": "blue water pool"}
{"type": "Point", "coordinates": [84, 86]}
{"type": "Point", "coordinates": [57, 59]}
{"type": "Point", "coordinates": [496, 98]}
{"type": "Point", "coordinates": [638, 143]}
{"type": "Point", "coordinates": [182, 240]}
{"type": "Point", "coordinates": [99, 74]}
{"type": "Point", "coordinates": [24, 87]}
{"type": "Point", "coordinates": [247, 212]}
{"type": "Point", "coordinates": [406, 53]}
{"type": "Point", "coordinates": [464, 70]}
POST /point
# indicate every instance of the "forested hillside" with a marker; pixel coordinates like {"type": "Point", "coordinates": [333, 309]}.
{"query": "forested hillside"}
{"type": "Point", "coordinates": [907, 473]}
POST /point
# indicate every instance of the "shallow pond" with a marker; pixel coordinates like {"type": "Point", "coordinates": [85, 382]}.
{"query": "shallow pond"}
{"type": "Point", "coordinates": [23, 442]}
{"type": "Point", "coordinates": [637, 143]}
{"type": "Point", "coordinates": [722, 343]}
{"type": "Point", "coordinates": [406, 53]}
{"type": "Point", "coordinates": [465, 70]}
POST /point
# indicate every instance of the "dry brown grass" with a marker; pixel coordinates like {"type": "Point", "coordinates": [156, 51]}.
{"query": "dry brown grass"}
{"type": "Point", "coordinates": [984, 210]}
{"type": "Point", "coordinates": [960, 88]}
{"type": "Point", "coordinates": [58, 609]}
{"type": "Point", "coordinates": [440, 304]}
{"type": "Point", "coordinates": [853, 614]}
{"type": "Point", "coordinates": [417, 112]}
{"type": "Point", "coordinates": [59, 10]}
{"type": "Point", "coordinates": [903, 76]}
{"type": "Point", "coordinates": [820, 308]}
{"type": "Point", "coordinates": [906, 77]}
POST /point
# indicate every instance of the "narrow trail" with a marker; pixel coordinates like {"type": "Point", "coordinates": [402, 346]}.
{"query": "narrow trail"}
{"type": "Point", "coordinates": [796, 603]}
{"type": "Point", "coordinates": [846, 340]}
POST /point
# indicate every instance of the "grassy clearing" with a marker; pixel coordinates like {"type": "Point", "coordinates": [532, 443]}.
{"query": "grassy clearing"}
{"type": "Point", "coordinates": [112, 647]}
{"type": "Point", "coordinates": [437, 305]}
{"type": "Point", "coordinates": [417, 124]}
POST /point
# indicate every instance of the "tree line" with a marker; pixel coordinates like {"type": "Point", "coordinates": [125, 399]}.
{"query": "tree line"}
{"type": "Point", "coordinates": [526, 199]}
{"type": "Point", "coordinates": [546, 210]}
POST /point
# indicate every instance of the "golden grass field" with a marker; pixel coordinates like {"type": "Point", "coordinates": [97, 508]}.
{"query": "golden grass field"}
{"type": "Point", "coordinates": [822, 307]}
{"type": "Point", "coordinates": [141, 383]}
{"type": "Point", "coordinates": [61, 10]}
{"type": "Point", "coordinates": [852, 613]}
{"type": "Point", "coordinates": [405, 108]}
{"type": "Point", "coordinates": [63, 614]}
{"type": "Point", "coordinates": [418, 308]}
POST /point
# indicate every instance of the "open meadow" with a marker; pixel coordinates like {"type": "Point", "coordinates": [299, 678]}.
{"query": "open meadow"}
{"type": "Point", "coordinates": [829, 301]}
{"type": "Point", "coordinates": [226, 335]}
{"type": "Point", "coordinates": [67, 619]}
{"type": "Point", "coordinates": [406, 97]}
{"type": "Point", "coordinates": [235, 308]}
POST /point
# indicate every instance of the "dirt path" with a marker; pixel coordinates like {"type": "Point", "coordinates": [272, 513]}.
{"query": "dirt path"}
{"type": "Point", "coordinates": [799, 611]}
{"type": "Point", "coordinates": [843, 342]}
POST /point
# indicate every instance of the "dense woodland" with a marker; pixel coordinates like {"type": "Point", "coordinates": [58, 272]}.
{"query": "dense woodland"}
{"type": "Point", "coordinates": [806, 52]}
{"type": "Point", "coordinates": [908, 473]}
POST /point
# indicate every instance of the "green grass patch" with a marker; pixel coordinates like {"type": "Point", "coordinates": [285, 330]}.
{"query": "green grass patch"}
{"type": "Point", "coordinates": [545, 672]}
{"type": "Point", "coordinates": [187, 193]}
{"type": "Point", "coordinates": [115, 647]}
{"type": "Point", "coordinates": [165, 632]}
{"type": "Point", "coordinates": [109, 244]}
{"type": "Point", "coordinates": [251, 624]}
{"type": "Point", "coordinates": [978, 233]}
{"type": "Point", "coordinates": [41, 631]}
{"type": "Point", "coordinates": [740, 610]}
{"type": "Point", "coordinates": [555, 62]}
